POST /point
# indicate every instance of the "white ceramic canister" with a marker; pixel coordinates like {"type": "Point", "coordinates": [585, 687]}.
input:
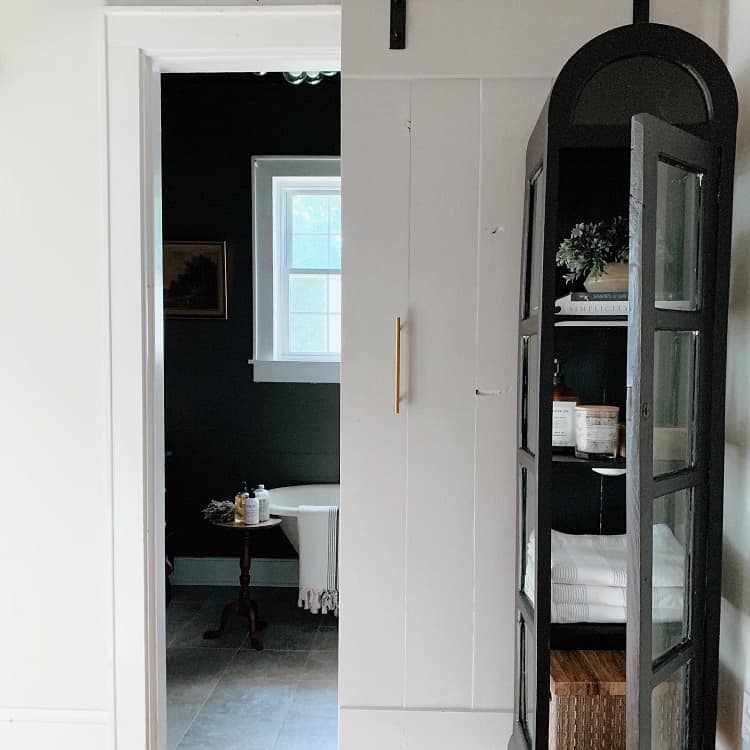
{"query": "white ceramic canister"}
{"type": "Point", "coordinates": [264, 503]}
{"type": "Point", "coordinates": [596, 431]}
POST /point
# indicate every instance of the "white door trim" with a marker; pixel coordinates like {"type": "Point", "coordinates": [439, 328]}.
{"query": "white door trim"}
{"type": "Point", "coordinates": [141, 43]}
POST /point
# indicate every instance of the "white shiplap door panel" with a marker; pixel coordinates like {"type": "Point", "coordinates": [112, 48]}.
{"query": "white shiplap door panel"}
{"type": "Point", "coordinates": [509, 109]}
{"type": "Point", "coordinates": [375, 179]}
{"type": "Point", "coordinates": [441, 325]}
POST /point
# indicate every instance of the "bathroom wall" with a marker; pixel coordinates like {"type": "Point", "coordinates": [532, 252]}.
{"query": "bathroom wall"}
{"type": "Point", "coordinates": [735, 622]}
{"type": "Point", "coordinates": [221, 426]}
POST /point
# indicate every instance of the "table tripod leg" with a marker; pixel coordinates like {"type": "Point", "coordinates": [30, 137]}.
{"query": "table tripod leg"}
{"type": "Point", "coordinates": [226, 616]}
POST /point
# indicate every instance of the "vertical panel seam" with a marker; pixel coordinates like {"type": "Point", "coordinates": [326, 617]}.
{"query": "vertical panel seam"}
{"type": "Point", "coordinates": [407, 410]}
{"type": "Point", "coordinates": [478, 256]}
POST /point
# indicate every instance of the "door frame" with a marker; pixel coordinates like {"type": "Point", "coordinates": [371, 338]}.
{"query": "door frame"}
{"type": "Point", "coordinates": [140, 44]}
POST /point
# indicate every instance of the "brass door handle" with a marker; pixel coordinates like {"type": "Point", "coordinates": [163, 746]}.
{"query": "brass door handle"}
{"type": "Point", "coordinates": [397, 372]}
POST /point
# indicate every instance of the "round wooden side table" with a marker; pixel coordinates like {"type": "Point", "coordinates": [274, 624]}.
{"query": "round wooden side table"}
{"type": "Point", "coordinates": [243, 606]}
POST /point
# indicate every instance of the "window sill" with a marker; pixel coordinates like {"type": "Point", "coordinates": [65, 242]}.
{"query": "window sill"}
{"type": "Point", "coordinates": [292, 371]}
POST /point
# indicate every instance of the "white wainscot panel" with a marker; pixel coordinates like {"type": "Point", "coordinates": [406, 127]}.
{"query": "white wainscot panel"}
{"type": "Point", "coordinates": [362, 729]}
{"type": "Point", "coordinates": [53, 729]}
{"type": "Point", "coordinates": [442, 311]}
{"type": "Point", "coordinates": [509, 110]}
{"type": "Point", "coordinates": [375, 176]}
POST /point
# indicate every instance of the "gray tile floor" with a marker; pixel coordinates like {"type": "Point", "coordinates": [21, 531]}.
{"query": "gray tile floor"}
{"type": "Point", "coordinates": [223, 695]}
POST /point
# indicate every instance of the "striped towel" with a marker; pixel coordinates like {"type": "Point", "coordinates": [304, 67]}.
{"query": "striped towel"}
{"type": "Point", "coordinates": [667, 597]}
{"type": "Point", "coordinates": [601, 560]}
{"type": "Point", "coordinates": [603, 613]}
{"type": "Point", "coordinates": [318, 558]}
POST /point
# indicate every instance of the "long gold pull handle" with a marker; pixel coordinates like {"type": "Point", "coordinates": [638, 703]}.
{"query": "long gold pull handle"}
{"type": "Point", "coordinates": [397, 374]}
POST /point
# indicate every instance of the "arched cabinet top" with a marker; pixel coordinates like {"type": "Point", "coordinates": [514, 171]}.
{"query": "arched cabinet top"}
{"type": "Point", "coordinates": [645, 68]}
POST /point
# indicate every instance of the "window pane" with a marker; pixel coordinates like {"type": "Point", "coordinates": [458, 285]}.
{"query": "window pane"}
{"type": "Point", "coordinates": [530, 394]}
{"type": "Point", "coordinates": [334, 208]}
{"type": "Point", "coordinates": [528, 549]}
{"type": "Point", "coordinates": [310, 214]}
{"type": "Point", "coordinates": [334, 334]}
{"type": "Point", "coordinates": [334, 294]}
{"type": "Point", "coordinates": [669, 711]}
{"type": "Point", "coordinates": [678, 212]}
{"type": "Point", "coordinates": [674, 400]}
{"type": "Point", "coordinates": [527, 675]}
{"type": "Point", "coordinates": [309, 251]}
{"type": "Point", "coordinates": [534, 245]}
{"type": "Point", "coordinates": [307, 333]}
{"type": "Point", "coordinates": [307, 294]}
{"type": "Point", "coordinates": [672, 535]}
{"type": "Point", "coordinates": [334, 256]}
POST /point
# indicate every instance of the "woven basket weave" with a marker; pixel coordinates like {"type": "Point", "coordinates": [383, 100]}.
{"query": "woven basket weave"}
{"type": "Point", "coordinates": [587, 711]}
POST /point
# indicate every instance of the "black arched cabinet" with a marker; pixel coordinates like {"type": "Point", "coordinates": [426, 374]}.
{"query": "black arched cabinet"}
{"type": "Point", "coordinates": [640, 124]}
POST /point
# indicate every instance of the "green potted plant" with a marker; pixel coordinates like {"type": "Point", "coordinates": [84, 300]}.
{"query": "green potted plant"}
{"type": "Point", "coordinates": [598, 253]}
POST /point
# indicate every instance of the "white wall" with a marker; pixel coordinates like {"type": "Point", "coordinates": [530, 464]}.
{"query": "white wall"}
{"type": "Point", "coordinates": [434, 139]}
{"type": "Point", "coordinates": [55, 631]}
{"type": "Point", "coordinates": [735, 623]}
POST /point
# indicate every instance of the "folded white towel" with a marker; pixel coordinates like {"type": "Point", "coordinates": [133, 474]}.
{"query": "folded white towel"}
{"type": "Point", "coordinates": [318, 558]}
{"type": "Point", "coordinates": [669, 597]}
{"type": "Point", "coordinates": [603, 613]}
{"type": "Point", "coordinates": [601, 560]}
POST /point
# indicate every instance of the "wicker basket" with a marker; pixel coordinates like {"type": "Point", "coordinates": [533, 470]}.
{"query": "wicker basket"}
{"type": "Point", "coordinates": [587, 711]}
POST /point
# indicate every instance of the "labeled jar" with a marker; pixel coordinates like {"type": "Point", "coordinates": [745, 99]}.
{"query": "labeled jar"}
{"type": "Point", "coordinates": [596, 431]}
{"type": "Point", "coordinates": [564, 402]}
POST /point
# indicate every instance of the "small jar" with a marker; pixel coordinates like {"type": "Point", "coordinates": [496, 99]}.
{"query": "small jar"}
{"type": "Point", "coordinates": [596, 431]}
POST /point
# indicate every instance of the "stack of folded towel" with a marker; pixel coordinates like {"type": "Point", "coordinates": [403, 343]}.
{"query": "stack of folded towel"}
{"type": "Point", "coordinates": [589, 577]}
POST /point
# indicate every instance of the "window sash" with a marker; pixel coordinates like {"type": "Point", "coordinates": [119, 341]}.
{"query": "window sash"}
{"type": "Point", "coordinates": [284, 268]}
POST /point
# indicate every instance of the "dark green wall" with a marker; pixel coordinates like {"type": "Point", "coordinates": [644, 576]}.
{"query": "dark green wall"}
{"type": "Point", "coordinates": [221, 427]}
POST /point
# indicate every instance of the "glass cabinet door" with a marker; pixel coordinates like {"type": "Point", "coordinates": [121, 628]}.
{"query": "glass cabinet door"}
{"type": "Point", "coordinates": [532, 547]}
{"type": "Point", "coordinates": [673, 227]}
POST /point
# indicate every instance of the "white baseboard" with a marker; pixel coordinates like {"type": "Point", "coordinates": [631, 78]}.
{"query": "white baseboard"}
{"type": "Point", "coordinates": [423, 729]}
{"type": "Point", "coordinates": [224, 571]}
{"type": "Point", "coordinates": [53, 729]}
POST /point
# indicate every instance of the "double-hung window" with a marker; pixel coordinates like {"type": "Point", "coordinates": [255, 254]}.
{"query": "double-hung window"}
{"type": "Point", "coordinates": [297, 269]}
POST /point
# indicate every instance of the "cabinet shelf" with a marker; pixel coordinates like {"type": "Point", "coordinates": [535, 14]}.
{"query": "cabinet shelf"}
{"type": "Point", "coordinates": [589, 463]}
{"type": "Point", "coordinates": [583, 321]}
{"type": "Point", "coordinates": [588, 635]}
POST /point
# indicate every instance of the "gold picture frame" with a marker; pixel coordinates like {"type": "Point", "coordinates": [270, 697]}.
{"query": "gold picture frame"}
{"type": "Point", "coordinates": [195, 279]}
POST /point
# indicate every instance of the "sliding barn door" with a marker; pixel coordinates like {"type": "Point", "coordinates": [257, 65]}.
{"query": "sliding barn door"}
{"type": "Point", "coordinates": [673, 220]}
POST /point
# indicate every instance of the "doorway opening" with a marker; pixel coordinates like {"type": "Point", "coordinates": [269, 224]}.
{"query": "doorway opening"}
{"type": "Point", "coordinates": [251, 223]}
{"type": "Point", "coordinates": [145, 46]}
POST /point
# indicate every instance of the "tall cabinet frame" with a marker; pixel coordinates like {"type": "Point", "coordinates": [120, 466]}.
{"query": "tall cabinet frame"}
{"type": "Point", "coordinates": [634, 113]}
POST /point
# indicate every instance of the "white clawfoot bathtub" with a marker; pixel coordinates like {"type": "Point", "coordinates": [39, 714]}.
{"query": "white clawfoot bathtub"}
{"type": "Point", "coordinates": [284, 502]}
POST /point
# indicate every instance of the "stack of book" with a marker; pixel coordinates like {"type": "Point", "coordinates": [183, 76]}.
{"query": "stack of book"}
{"type": "Point", "coordinates": [593, 303]}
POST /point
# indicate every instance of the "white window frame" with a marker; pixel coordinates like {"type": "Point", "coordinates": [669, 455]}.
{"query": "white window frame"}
{"type": "Point", "coordinates": [272, 175]}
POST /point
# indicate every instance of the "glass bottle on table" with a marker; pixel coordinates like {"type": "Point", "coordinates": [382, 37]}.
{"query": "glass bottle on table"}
{"type": "Point", "coordinates": [564, 402]}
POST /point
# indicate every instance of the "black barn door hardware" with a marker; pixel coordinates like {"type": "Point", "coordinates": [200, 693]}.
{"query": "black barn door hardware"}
{"type": "Point", "coordinates": [640, 11]}
{"type": "Point", "coordinates": [398, 24]}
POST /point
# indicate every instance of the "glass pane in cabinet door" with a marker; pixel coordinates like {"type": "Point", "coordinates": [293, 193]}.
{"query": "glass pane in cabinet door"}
{"type": "Point", "coordinates": [669, 712]}
{"type": "Point", "coordinates": [678, 219]}
{"type": "Point", "coordinates": [534, 245]}
{"type": "Point", "coordinates": [528, 548]}
{"type": "Point", "coordinates": [674, 400]}
{"type": "Point", "coordinates": [530, 394]}
{"type": "Point", "coordinates": [527, 691]}
{"type": "Point", "coordinates": [672, 549]}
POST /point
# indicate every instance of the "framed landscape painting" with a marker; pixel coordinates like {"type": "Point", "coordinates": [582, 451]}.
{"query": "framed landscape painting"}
{"type": "Point", "coordinates": [195, 280]}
